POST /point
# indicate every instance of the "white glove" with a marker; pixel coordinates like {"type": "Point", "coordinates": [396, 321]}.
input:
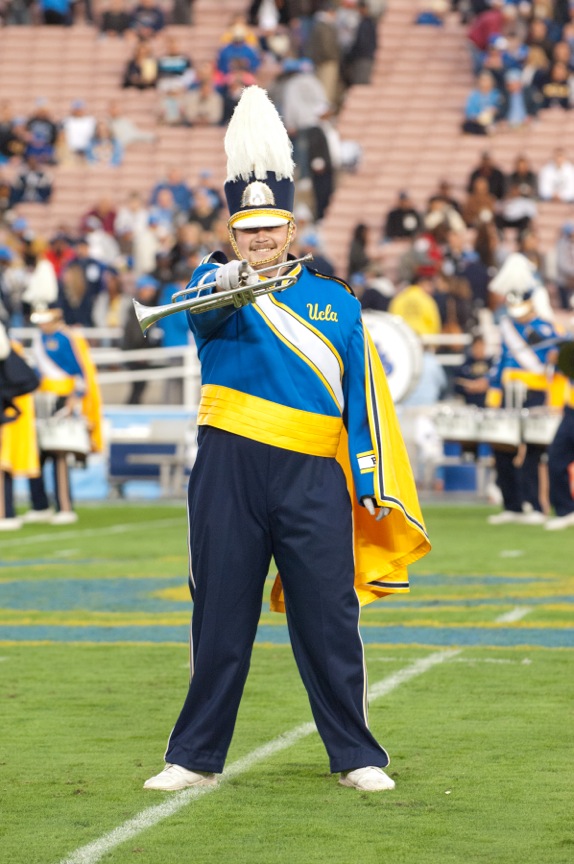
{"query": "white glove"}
{"type": "Point", "coordinates": [370, 505]}
{"type": "Point", "coordinates": [229, 276]}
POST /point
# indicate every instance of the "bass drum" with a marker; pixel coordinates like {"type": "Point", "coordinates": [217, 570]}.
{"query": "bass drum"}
{"type": "Point", "coordinates": [400, 351]}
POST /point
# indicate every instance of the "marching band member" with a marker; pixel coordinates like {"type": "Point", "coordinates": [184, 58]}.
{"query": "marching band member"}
{"type": "Point", "coordinates": [291, 384]}
{"type": "Point", "coordinates": [522, 377]}
{"type": "Point", "coordinates": [68, 376]}
{"type": "Point", "coordinates": [18, 445]}
{"type": "Point", "coordinates": [561, 452]}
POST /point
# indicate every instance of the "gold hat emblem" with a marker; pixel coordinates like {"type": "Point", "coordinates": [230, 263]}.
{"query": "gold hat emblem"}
{"type": "Point", "coordinates": [257, 194]}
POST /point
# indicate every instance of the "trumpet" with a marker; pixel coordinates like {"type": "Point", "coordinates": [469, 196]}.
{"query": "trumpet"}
{"type": "Point", "coordinates": [238, 297]}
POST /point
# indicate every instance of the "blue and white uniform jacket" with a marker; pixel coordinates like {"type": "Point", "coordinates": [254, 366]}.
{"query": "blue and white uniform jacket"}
{"type": "Point", "coordinates": [523, 358]}
{"type": "Point", "coordinates": [289, 369]}
{"type": "Point", "coordinates": [58, 364]}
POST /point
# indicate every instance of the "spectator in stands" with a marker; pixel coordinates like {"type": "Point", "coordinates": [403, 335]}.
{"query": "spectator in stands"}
{"type": "Point", "coordinates": [480, 203]}
{"type": "Point", "coordinates": [5, 192]}
{"type": "Point", "coordinates": [416, 305]}
{"type": "Point", "coordinates": [368, 297]}
{"type": "Point", "coordinates": [60, 251]}
{"type": "Point", "coordinates": [80, 282]}
{"type": "Point", "coordinates": [105, 211]}
{"type": "Point", "coordinates": [132, 217]}
{"type": "Point", "coordinates": [102, 245]}
{"type": "Point", "coordinates": [426, 255]}
{"type": "Point", "coordinates": [231, 87]}
{"type": "Point", "coordinates": [56, 12]}
{"type": "Point", "coordinates": [147, 19]}
{"type": "Point", "coordinates": [175, 76]}
{"type": "Point", "coordinates": [239, 50]}
{"type": "Point", "coordinates": [304, 101]}
{"type": "Point", "coordinates": [42, 134]}
{"type": "Point", "coordinates": [462, 261]}
{"type": "Point", "coordinates": [360, 57]}
{"type": "Point", "coordinates": [204, 184]}
{"type": "Point", "coordinates": [556, 178]}
{"type": "Point", "coordinates": [179, 188]}
{"type": "Point", "coordinates": [112, 305]}
{"type": "Point", "coordinates": [204, 210]}
{"type": "Point", "coordinates": [536, 62]}
{"type": "Point", "coordinates": [565, 266]}
{"type": "Point", "coordinates": [104, 149]}
{"type": "Point", "coordinates": [487, 168]}
{"type": "Point", "coordinates": [32, 184]}
{"type": "Point", "coordinates": [359, 258]}
{"type": "Point", "coordinates": [519, 105]}
{"type": "Point", "coordinates": [553, 86]}
{"type": "Point", "coordinates": [321, 169]}
{"type": "Point", "coordinates": [445, 195]}
{"type": "Point", "coordinates": [524, 177]}
{"type": "Point", "coordinates": [166, 210]}
{"type": "Point", "coordinates": [141, 70]}
{"type": "Point", "coordinates": [515, 210]}
{"type": "Point", "coordinates": [79, 128]}
{"type": "Point", "coordinates": [16, 12]}
{"type": "Point", "coordinates": [147, 290]}
{"type": "Point", "coordinates": [116, 20]}
{"type": "Point", "coordinates": [538, 37]}
{"type": "Point", "coordinates": [309, 243]}
{"type": "Point", "coordinates": [123, 128]}
{"type": "Point", "coordinates": [191, 242]}
{"type": "Point", "coordinates": [403, 220]}
{"type": "Point", "coordinates": [433, 13]}
{"type": "Point", "coordinates": [472, 376]}
{"type": "Point", "coordinates": [174, 329]}
{"type": "Point", "coordinates": [493, 60]}
{"type": "Point", "coordinates": [323, 49]}
{"type": "Point", "coordinates": [12, 143]}
{"type": "Point", "coordinates": [491, 22]}
{"type": "Point", "coordinates": [204, 105]}
{"type": "Point", "coordinates": [562, 52]}
{"type": "Point", "coordinates": [488, 246]}
{"type": "Point", "coordinates": [484, 106]}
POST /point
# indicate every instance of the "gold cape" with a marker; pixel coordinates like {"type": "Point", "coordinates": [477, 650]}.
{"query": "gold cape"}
{"type": "Point", "coordinates": [384, 549]}
{"type": "Point", "coordinates": [18, 445]}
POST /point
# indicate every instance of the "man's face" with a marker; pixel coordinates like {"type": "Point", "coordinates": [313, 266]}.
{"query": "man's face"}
{"type": "Point", "coordinates": [257, 245]}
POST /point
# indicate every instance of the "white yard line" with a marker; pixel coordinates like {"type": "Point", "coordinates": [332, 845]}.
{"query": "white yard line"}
{"type": "Point", "coordinates": [94, 852]}
{"type": "Point", "coordinates": [516, 614]}
{"type": "Point", "coordinates": [57, 537]}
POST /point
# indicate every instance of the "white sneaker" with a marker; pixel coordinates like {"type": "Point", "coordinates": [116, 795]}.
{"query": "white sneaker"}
{"type": "Point", "coordinates": [64, 517]}
{"type": "Point", "coordinates": [174, 777]}
{"type": "Point", "coordinates": [504, 518]}
{"type": "Point", "coordinates": [559, 522]}
{"type": "Point", "coordinates": [11, 524]}
{"type": "Point", "coordinates": [534, 517]}
{"type": "Point", "coordinates": [38, 515]}
{"type": "Point", "coordinates": [367, 779]}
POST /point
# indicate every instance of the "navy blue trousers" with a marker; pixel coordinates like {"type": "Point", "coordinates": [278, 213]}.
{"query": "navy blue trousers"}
{"type": "Point", "coordinates": [560, 463]}
{"type": "Point", "coordinates": [249, 502]}
{"type": "Point", "coordinates": [519, 485]}
{"type": "Point", "coordinates": [62, 487]}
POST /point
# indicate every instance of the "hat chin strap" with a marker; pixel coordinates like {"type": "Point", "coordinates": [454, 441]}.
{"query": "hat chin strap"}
{"type": "Point", "coordinates": [275, 254]}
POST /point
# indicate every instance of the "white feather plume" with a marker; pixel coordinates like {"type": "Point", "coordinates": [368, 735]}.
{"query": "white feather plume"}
{"type": "Point", "coordinates": [256, 140]}
{"type": "Point", "coordinates": [43, 286]}
{"type": "Point", "coordinates": [516, 274]}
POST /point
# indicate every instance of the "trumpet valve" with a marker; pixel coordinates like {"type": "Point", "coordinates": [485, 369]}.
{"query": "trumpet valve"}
{"type": "Point", "coordinates": [243, 298]}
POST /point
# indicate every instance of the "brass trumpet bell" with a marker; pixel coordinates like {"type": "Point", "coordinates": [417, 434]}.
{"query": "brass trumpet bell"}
{"type": "Point", "coordinates": [238, 297]}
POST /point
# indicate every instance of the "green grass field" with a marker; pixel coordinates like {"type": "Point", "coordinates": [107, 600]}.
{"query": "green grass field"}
{"type": "Point", "coordinates": [473, 675]}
